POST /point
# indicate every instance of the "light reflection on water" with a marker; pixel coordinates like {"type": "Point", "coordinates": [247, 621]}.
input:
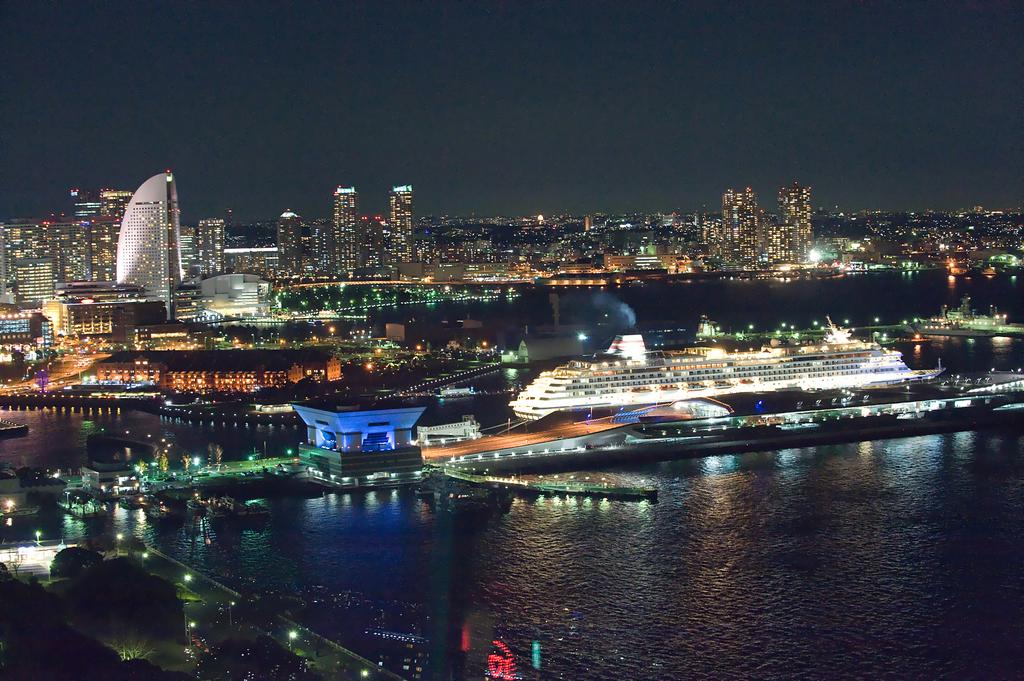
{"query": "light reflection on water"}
{"type": "Point", "coordinates": [896, 559]}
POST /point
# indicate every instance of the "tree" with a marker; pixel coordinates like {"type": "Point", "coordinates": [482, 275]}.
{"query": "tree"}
{"type": "Point", "coordinates": [262, 658]}
{"type": "Point", "coordinates": [73, 561]}
{"type": "Point", "coordinates": [216, 453]}
{"type": "Point", "coordinates": [117, 597]}
{"type": "Point", "coordinates": [5, 574]}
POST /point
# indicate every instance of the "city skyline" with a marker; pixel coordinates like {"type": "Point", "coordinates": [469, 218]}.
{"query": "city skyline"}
{"type": "Point", "coordinates": [521, 109]}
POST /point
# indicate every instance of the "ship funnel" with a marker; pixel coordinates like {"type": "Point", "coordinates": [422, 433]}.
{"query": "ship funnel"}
{"type": "Point", "coordinates": [630, 346]}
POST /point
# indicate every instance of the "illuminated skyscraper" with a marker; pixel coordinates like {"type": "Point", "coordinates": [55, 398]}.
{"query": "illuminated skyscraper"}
{"type": "Point", "coordinates": [779, 243]}
{"type": "Point", "coordinates": [400, 248]}
{"type": "Point", "coordinates": [345, 239]}
{"type": "Point", "coordinates": [209, 247]}
{"type": "Point", "coordinates": [795, 211]}
{"type": "Point", "coordinates": [102, 248]}
{"type": "Point", "coordinates": [34, 279]}
{"type": "Point", "coordinates": [114, 202]}
{"type": "Point", "coordinates": [289, 245]}
{"type": "Point", "coordinates": [147, 247]}
{"type": "Point", "coordinates": [87, 203]}
{"type": "Point", "coordinates": [741, 233]}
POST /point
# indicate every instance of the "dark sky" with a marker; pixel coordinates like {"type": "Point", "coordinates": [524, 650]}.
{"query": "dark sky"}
{"type": "Point", "coordinates": [513, 107]}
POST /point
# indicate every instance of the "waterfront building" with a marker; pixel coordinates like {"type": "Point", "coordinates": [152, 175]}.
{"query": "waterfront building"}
{"type": "Point", "coordinates": [205, 371]}
{"type": "Point", "coordinates": [347, 446]}
{"type": "Point", "coordinates": [289, 245]}
{"type": "Point", "coordinates": [186, 301]}
{"type": "Point", "coordinates": [209, 246]}
{"type": "Point", "coordinates": [112, 321]}
{"type": "Point", "coordinates": [170, 336]}
{"type": "Point", "coordinates": [740, 239]}
{"type": "Point", "coordinates": [795, 213]}
{"type": "Point", "coordinates": [34, 280]}
{"type": "Point", "coordinates": [235, 295]}
{"type": "Point", "coordinates": [344, 240]}
{"type": "Point", "coordinates": [669, 262]}
{"type": "Point", "coordinates": [147, 246]}
{"type": "Point", "coordinates": [400, 244]}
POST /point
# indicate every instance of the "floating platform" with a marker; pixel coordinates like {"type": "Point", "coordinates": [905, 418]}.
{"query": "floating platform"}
{"type": "Point", "coordinates": [558, 488]}
{"type": "Point", "coordinates": [12, 429]}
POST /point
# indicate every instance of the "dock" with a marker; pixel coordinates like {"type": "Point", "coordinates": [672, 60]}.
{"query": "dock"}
{"type": "Point", "coordinates": [574, 488]}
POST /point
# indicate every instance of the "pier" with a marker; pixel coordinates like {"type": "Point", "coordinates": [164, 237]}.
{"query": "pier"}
{"type": "Point", "coordinates": [575, 488]}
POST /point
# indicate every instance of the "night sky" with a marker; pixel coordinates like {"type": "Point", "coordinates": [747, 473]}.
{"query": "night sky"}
{"type": "Point", "coordinates": [513, 107]}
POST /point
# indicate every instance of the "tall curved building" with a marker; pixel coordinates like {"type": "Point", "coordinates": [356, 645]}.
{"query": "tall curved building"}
{"type": "Point", "coordinates": [147, 247]}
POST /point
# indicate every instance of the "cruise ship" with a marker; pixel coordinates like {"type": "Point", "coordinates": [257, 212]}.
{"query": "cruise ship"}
{"type": "Point", "coordinates": [630, 376]}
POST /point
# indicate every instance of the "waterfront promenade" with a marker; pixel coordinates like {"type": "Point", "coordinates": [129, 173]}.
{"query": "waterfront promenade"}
{"type": "Point", "coordinates": [216, 612]}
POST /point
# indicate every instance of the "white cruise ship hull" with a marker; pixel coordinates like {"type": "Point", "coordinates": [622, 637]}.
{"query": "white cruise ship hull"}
{"type": "Point", "coordinates": [635, 378]}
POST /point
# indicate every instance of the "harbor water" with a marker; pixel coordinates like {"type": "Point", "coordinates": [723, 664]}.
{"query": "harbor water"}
{"type": "Point", "coordinates": [890, 559]}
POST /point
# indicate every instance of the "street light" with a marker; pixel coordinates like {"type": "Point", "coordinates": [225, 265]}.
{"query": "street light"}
{"type": "Point", "coordinates": [188, 577]}
{"type": "Point", "coordinates": [39, 534]}
{"type": "Point", "coordinates": [292, 635]}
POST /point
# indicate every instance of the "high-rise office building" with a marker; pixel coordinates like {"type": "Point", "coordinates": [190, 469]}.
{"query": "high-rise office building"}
{"type": "Point", "coordinates": [317, 256]}
{"type": "Point", "coordinates": [86, 203]}
{"type": "Point", "coordinates": [187, 250]}
{"type": "Point", "coordinates": [68, 246]}
{"type": "Point", "coordinates": [779, 242]}
{"type": "Point", "coordinates": [375, 238]}
{"type": "Point", "coordinates": [147, 246]}
{"type": "Point", "coordinates": [795, 211]}
{"type": "Point", "coordinates": [102, 243]}
{"type": "Point", "coordinates": [35, 279]}
{"type": "Point", "coordinates": [345, 238]}
{"type": "Point", "coordinates": [400, 246]}
{"type": "Point", "coordinates": [20, 239]}
{"type": "Point", "coordinates": [209, 246]}
{"type": "Point", "coordinates": [114, 202]}
{"type": "Point", "coordinates": [289, 245]}
{"type": "Point", "coordinates": [741, 229]}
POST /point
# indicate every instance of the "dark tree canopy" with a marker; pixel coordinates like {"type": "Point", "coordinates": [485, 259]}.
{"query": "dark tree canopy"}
{"type": "Point", "coordinates": [73, 561]}
{"type": "Point", "coordinates": [262, 658]}
{"type": "Point", "coordinates": [117, 595]}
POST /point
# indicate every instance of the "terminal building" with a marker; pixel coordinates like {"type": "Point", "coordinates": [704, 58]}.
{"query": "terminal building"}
{"type": "Point", "coordinates": [351, 447]}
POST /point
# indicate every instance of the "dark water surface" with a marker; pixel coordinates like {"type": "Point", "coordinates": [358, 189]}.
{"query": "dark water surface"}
{"type": "Point", "coordinates": [892, 559]}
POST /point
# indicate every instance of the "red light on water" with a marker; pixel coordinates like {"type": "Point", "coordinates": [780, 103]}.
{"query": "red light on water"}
{"type": "Point", "coordinates": [501, 664]}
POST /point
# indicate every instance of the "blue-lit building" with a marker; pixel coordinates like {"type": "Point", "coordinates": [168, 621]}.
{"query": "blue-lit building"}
{"type": "Point", "coordinates": [352, 447]}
